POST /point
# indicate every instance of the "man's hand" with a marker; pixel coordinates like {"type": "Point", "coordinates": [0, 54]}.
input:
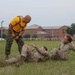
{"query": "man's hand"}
{"type": "Point", "coordinates": [33, 49]}
{"type": "Point", "coordinates": [32, 45]}
{"type": "Point", "coordinates": [20, 34]}
{"type": "Point", "coordinates": [17, 37]}
{"type": "Point", "coordinates": [13, 35]}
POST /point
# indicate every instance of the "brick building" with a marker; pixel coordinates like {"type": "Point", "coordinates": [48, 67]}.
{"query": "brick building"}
{"type": "Point", "coordinates": [4, 30]}
{"type": "Point", "coordinates": [49, 32]}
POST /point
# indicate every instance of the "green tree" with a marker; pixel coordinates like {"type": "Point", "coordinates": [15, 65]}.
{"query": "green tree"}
{"type": "Point", "coordinates": [27, 36]}
{"type": "Point", "coordinates": [73, 27]}
{"type": "Point", "coordinates": [4, 36]}
{"type": "Point", "coordinates": [70, 31]}
{"type": "Point", "coordinates": [34, 36]}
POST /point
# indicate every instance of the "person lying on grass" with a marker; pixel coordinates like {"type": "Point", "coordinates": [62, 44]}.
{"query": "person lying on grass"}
{"type": "Point", "coordinates": [41, 54]}
{"type": "Point", "coordinates": [65, 47]}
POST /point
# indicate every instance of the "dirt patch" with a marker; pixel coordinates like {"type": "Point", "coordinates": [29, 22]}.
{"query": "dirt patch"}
{"type": "Point", "coordinates": [6, 68]}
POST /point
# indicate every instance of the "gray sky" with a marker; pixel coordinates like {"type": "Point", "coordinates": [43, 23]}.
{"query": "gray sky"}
{"type": "Point", "coordinates": [43, 12]}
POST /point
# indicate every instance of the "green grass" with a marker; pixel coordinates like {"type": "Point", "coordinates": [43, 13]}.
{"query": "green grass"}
{"type": "Point", "coordinates": [42, 68]}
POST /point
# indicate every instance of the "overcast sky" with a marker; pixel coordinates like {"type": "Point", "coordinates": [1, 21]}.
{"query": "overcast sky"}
{"type": "Point", "coordinates": [43, 12]}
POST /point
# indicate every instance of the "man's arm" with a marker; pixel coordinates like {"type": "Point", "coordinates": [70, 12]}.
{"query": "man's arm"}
{"type": "Point", "coordinates": [72, 47]}
{"type": "Point", "coordinates": [23, 30]}
{"type": "Point", "coordinates": [21, 33]}
{"type": "Point", "coordinates": [44, 53]}
{"type": "Point", "coordinates": [11, 29]}
{"type": "Point", "coordinates": [12, 23]}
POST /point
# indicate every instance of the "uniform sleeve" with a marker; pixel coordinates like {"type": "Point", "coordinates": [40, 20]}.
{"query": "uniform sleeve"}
{"type": "Point", "coordinates": [14, 21]}
{"type": "Point", "coordinates": [44, 53]}
{"type": "Point", "coordinates": [72, 47]}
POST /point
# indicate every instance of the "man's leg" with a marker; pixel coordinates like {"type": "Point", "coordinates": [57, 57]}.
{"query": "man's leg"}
{"type": "Point", "coordinates": [20, 43]}
{"type": "Point", "coordinates": [53, 53]}
{"type": "Point", "coordinates": [63, 56]}
{"type": "Point", "coordinates": [9, 42]}
{"type": "Point", "coordinates": [9, 61]}
{"type": "Point", "coordinates": [12, 60]}
{"type": "Point", "coordinates": [20, 59]}
{"type": "Point", "coordinates": [24, 53]}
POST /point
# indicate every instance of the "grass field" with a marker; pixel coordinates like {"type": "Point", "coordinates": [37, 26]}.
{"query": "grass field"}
{"type": "Point", "coordinates": [49, 67]}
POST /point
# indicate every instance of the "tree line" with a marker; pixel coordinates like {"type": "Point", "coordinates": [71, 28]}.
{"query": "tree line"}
{"type": "Point", "coordinates": [71, 29]}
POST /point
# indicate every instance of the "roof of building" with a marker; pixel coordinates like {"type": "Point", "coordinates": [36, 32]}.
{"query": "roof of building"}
{"type": "Point", "coordinates": [4, 28]}
{"type": "Point", "coordinates": [54, 27]}
{"type": "Point", "coordinates": [35, 26]}
{"type": "Point", "coordinates": [42, 32]}
{"type": "Point", "coordinates": [51, 27]}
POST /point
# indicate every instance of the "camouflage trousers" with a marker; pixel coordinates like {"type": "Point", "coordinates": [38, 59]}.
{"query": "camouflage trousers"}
{"type": "Point", "coordinates": [56, 54]}
{"type": "Point", "coordinates": [13, 60]}
{"type": "Point", "coordinates": [26, 52]}
{"type": "Point", "coordinates": [9, 42]}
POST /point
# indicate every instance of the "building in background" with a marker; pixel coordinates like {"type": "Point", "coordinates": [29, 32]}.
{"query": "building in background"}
{"type": "Point", "coordinates": [48, 32]}
{"type": "Point", "coordinates": [4, 30]}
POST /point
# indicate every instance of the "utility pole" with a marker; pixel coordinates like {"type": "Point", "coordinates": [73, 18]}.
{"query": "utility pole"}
{"type": "Point", "coordinates": [1, 29]}
{"type": "Point", "coordinates": [52, 33]}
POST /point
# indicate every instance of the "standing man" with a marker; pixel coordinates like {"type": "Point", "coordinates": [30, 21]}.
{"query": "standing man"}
{"type": "Point", "coordinates": [16, 29]}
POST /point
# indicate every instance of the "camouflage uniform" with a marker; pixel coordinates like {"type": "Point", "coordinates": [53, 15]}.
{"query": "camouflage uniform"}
{"type": "Point", "coordinates": [9, 42]}
{"type": "Point", "coordinates": [62, 52]}
{"type": "Point", "coordinates": [31, 56]}
{"type": "Point", "coordinates": [39, 55]}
